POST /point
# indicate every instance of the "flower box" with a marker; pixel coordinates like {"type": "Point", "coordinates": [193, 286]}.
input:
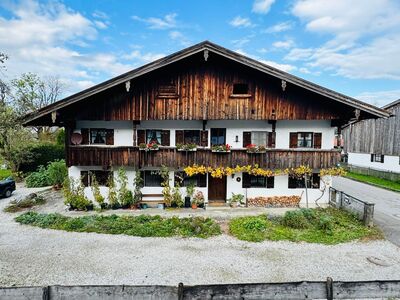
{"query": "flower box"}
{"type": "Point", "coordinates": [251, 148]}
{"type": "Point", "coordinates": [221, 148]}
{"type": "Point", "coordinates": [149, 147]}
{"type": "Point", "coordinates": [186, 147]}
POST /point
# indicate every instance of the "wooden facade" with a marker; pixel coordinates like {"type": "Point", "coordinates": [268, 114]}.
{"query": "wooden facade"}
{"type": "Point", "coordinates": [380, 136]}
{"type": "Point", "coordinates": [169, 156]}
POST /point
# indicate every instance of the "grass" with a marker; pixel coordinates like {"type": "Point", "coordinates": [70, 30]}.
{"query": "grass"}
{"type": "Point", "coordinates": [15, 206]}
{"type": "Point", "coordinates": [4, 173]}
{"type": "Point", "coordinates": [385, 183]}
{"type": "Point", "coordinates": [325, 226]}
{"type": "Point", "coordinates": [144, 225]}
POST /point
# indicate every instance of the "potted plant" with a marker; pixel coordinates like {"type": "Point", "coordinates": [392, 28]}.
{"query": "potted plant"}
{"type": "Point", "coordinates": [180, 147]}
{"type": "Point", "coordinates": [153, 146]}
{"type": "Point", "coordinates": [143, 146]}
{"type": "Point", "coordinates": [191, 147]}
{"type": "Point", "coordinates": [252, 148]}
{"type": "Point", "coordinates": [236, 200]}
{"type": "Point", "coordinates": [198, 200]}
{"type": "Point", "coordinates": [221, 148]}
{"type": "Point", "coordinates": [189, 193]}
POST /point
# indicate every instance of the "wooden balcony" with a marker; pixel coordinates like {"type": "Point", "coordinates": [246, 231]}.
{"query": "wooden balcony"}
{"type": "Point", "coordinates": [169, 156]}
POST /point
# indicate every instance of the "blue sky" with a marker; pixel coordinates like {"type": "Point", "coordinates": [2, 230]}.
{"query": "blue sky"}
{"type": "Point", "coordinates": [353, 49]}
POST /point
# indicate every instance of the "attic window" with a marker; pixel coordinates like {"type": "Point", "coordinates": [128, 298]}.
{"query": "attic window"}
{"type": "Point", "coordinates": [167, 89]}
{"type": "Point", "coordinates": [240, 90]}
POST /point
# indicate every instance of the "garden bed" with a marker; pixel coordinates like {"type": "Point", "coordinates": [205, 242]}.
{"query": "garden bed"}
{"type": "Point", "coordinates": [326, 226]}
{"type": "Point", "coordinates": [143, 225]}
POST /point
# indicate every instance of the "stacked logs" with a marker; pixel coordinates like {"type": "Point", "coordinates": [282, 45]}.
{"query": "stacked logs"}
{"type": "Point", "coordinates": [276, 201]}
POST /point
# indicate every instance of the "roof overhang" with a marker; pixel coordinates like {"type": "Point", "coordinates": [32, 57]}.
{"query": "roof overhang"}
{"type": "Point", "coordinates": [212, 48]}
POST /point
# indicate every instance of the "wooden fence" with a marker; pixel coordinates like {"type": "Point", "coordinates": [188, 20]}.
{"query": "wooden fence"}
{"type": "Point", "coordinates": [364, 210]}
{"type": "Point", "coordinates": [328, 289]}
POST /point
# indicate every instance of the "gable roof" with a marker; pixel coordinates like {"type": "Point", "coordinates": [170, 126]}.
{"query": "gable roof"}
{"type": "Point", "coordinates": [391, 104]}
{"type": "Point", "coordinates": [212, 48]}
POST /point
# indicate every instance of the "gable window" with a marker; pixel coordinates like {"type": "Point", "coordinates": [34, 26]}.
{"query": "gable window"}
{"type": "Point", "coordinates": [199, 180]}
{"type": "Point", "coordinates": [253, 181]}
{"type": "Point", "coordinates": [88, 177]}
{"type": "Point", "coordinates": [240, 89]}
{"type": "Point", "coordinates": [153, 136]}
{"type": "Point", "coordinates": [152, 178]}
{"type": "Point", "coordinates": [313, 182]}
{"type": "Point", "coordinates": [98, 136]}
{"type": "Point", "coordinates": [167, 89]}
{"type": "Point", "coordinates": [378, 158]}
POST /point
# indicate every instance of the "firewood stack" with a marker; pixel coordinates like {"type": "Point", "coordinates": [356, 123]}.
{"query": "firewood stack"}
{"type": "Point", "coordinates": [276, 201]}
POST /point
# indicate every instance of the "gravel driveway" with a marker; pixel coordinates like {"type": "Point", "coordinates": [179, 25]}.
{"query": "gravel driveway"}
{"type": "Point", "coordinates": [34, 256]}
{"type": "Point", "coordinates": [387, 205]}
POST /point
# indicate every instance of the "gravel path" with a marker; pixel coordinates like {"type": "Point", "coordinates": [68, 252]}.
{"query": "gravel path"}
{"type": "Point", "coordinates": [34, 256]}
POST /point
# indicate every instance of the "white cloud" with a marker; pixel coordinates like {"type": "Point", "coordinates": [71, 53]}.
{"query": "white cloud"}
{"type": "Point", "coordinates": [240, 42]}
{"type": "Point", "coordinates": [280, 27]}
{"type": "Point", "coordinates": [364, 40]}
{"type": "Point", "coordinates": [283, 44]}
{"type": "Point", "coordinates": [283, 67]}
{"type": "Point", "coordinates": [238, 21]}
{"type": "Point", "coordinates": [380, 98]}
{"type": "Point", "coordinates": [100, 24]}
{"type": "Point", "coordinates": [180, 37]}
{"type": "Point", "coordinates": [262, 6]}
{"type": "Point", "coordinates": [166, 22]}
{"type": "Point", "coordinates": [143, 57]}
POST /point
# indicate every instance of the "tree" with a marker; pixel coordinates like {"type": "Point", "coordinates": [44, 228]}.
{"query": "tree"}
{"type": "Point", "coordinates": [30, 93]}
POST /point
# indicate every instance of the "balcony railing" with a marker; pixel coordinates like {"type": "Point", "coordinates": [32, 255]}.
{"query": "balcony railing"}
{"type": "Point", "coordinates": [169, 156]}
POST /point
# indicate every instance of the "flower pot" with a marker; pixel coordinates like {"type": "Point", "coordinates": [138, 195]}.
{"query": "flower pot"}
{"type": "Point", "coordinates": [194, 206]}
{"type": "Point", "coordinates": [234, 204]}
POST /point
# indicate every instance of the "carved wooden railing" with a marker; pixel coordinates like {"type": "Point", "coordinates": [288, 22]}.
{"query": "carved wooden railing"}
{"type": "Point", "coordinates": [169, 156]}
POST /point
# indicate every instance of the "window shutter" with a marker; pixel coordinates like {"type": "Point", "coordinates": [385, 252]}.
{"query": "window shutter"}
{"type": "Point", "coordinates": [246, 138]}
{"type": "Point", "coordinates": [271, 139]}
{"type": "Point", "coordinates": [85, 178]}
{"type": "Point", "coordinates": [202, 182]}
{"type": "Point", "coordinates": [141, 136]}
{"type": "Point", "coordinates": [317, 140]}
{"type": "Point", "coordinates": [382, 158]}
{"type": "Point", "coordinates": [204, 138]}
{"type": "Point", "coordinates": [270, 182]}
{"type": "Point", "coordinates": [372, 157]}
{"type": "Point", "coordinates": [246, 180]}
{"type": "Point", "coordinates": [109, 136]}
{"type": "Point", "coordinates": [178, 137]}
{"type": "Point", "coordinates": [293, 140]}
{"type": "Point", "coordinates": [165, 140]}
{"type": "Point", "coordinates": [85, 136]}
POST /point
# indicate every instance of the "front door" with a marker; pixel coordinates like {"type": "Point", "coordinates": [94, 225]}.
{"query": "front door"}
{"type": "Point", "coordinates": [216, 188]}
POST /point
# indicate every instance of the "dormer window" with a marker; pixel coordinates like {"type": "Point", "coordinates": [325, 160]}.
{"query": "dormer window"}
{"type": "Point", "coordinates": [240, 89]}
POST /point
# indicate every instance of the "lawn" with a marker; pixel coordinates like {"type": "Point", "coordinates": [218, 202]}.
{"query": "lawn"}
{"type": "Point", "coordinates": [326, 226]}
{"type": "Point", "coordinates": [4, 173]}
{"type": "Point", "coordinates": [392, 185]}
{"type": "Point", "coordinates": [144, 225]}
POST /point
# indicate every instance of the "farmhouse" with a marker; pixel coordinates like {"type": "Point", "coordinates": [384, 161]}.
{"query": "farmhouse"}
{"type": "Point", "coordinates": [205, 106]}
{"type": "Point", "coordinates": [374, 144]}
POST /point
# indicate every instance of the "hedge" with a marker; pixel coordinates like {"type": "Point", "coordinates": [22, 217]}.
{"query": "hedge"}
{"type": "Point", "coordinates": [43, 153]}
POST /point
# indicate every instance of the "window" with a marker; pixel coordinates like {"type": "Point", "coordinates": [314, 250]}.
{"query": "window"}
{"type": "Point", "coordinates": [167, 89]}
{"type": "Point", "coordinates": [218, 136]}
{"type": "Point", "coordinates": [152, 178]}
{"type": "Point", "coordinates": [191, 137]}
{"type": "Point", "coordinates": [97, 136]}
{"type": "Point", "coordinates": [259, 138]}
{"type": "Point", "coordinates": [200, 180]}
{"type": "Point", "coordinates": [153, 136]}
{"type": "Point", "coordinates": [298, 183]}
{"type": "Point", "coordinates": [240, 89]}
{"type": "Point", "coordinates": [304, 140]}
{"type": "Point", "coordinates": [101, 177]}
{"type": "Point", "coordinates": [252, 181]}
{"type": "Point", "coordinates": [377, 158]}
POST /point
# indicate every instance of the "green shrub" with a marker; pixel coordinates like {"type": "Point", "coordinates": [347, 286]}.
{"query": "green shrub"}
{"type": "Point", "coordinates": [325, 223]}
{"type": "Point", "coordinates": [112, 192]}
{"type": "Point", "coordinates": [98, 197]}
{"type": "Point", "coordinates": [309, 214]}
{"type": "Point", "coordinates": [74, 195]}
{"type": "Point", "coordinates": [39, 178]}
{"type": "Point", "coordinates": [42, 154]}
{"type": "Point", "coordinates": [57, 171]}
{"type": "Point", "coordinates": [5, 173]}
{"type": "Point", "coordinates": [125, 196]}
{"type": "Point", "coordinates": [295, 219]}
{"type": "Point", "coordinates": [177, 199]}
{"type": "Point", "coordinates": [144, 225]}
{"type": "Point", "coordinates": [253, 229]}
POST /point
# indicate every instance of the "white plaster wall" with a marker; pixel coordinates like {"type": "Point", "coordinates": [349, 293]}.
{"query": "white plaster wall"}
{"type": "Point", "coordinates": [283, 129]}
{"type": "Point", "coordinates": [123, 130]}
{"type": "Point", "coordinates": [391, 163]}
{"type": "Point", "coordinates": [280, 189]}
